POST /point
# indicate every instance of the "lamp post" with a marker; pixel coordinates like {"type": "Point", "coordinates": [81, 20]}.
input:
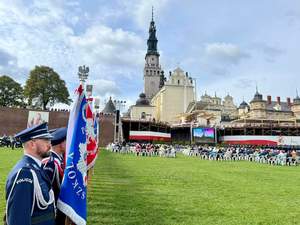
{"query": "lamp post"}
{"type": "Point", "coordinates": [89, 92]}
{"type": "Point", "coordinates": [118, 134]}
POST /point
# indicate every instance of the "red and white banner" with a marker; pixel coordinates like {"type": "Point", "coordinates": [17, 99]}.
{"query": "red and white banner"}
{"type": "Point", "coordinates": [261, 140]}
{"type": "Point", "coordinates": [149, 136]}
{"type": "Point", "coordinates": [91, 144]}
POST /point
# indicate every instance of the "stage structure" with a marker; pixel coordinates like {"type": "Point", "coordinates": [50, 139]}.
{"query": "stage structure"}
{"type": "Point", "coordinates": [145, 131]}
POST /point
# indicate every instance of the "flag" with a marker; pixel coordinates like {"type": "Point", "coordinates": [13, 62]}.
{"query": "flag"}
{"type": "Point", "coordinates": [92, 148]}
{"type": "Point", "coordinates": [72, 197]}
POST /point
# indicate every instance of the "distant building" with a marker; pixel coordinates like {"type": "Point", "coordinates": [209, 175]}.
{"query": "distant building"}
{"type": "Point", "coordinates": [142, 110]}
{"type": "Point", "coordinates": [174, 97]}
{"type": "Point", "coordinates": [152, 69]}
{"type": "Point", "coordinates": [210, 110]}
{"type": "Point", "coordinates": [107, 123]}
{"type": "Point", "coordinates": [163, 99]}
{"type": "Point", "coordinates": [269, 111]}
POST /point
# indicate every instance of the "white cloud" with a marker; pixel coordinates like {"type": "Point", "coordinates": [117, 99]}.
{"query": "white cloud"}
{"type": "Point", "coordinates": [225, 52]}
{"type": "Point", "coordinates": [105, 88]}
{"type": "Point", "coordinates": [103, 45]}
{"type": "Point", "coordinates": [140, 10]}
{"type": "Point", "coordinates": [42, 34]}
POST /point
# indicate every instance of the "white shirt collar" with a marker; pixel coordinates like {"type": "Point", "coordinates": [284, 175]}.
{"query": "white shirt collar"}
{"type": "Point", "coordinates": [39, 162]}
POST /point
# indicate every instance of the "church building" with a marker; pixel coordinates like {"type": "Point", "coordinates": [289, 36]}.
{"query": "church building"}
{"type": "Point", "coordinates": [163, 99]}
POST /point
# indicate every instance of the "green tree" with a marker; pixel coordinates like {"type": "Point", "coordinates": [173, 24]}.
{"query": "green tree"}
{"type": "Point", "coordinates": [11, 92]}
{"type": "Point", "coordinates": [44, 87]}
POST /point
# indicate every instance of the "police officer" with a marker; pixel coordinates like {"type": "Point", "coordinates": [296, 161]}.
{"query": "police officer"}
{"type": "Point", "coordinates": [29, 196]}
{"type": "Point", "coordinates": [54, 166]}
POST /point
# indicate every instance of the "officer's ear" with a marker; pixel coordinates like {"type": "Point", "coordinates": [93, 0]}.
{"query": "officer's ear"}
{"type": "Point", "coordinates": [30, 144]}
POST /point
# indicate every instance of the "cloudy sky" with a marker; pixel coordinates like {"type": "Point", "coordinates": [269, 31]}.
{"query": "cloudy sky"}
{"type": "Point", "coordinates": [229, 46]}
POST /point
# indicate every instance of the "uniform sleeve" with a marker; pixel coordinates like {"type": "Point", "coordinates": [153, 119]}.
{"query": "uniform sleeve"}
{"type": "Point", "coordinates": [20, 199]}
{"type": "Point", "coordinates": [49, 169]}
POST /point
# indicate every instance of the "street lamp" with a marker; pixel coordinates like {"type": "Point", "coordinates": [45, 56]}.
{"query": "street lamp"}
{"type": "Point", "coordinates": [118, 134]}
{"type": "Point", "coordinates": [89, 90]}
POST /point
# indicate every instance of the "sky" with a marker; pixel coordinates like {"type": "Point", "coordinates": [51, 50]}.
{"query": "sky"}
{"type": "Point", "coordinates": [229, 46]}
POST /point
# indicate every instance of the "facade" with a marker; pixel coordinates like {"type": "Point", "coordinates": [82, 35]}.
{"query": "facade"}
{"type": "Point", "coordinates": [142, 110]}
{"type": "Point", "coordinates": [163, 100]}
{"type": "Point", "coordinates": [211, 110]}
{"type": "Point", "coordinates": [286, 112]}
{"type": "Point", "coordinates": [174, 97]}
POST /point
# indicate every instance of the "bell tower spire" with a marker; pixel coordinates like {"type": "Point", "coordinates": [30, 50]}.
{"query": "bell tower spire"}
{"type": "Point", "coordinates": [152, 40]}
{"type": "Point", "coordinates": [152, 12]}
{"type": "Point", "coordinates": [152, 70]}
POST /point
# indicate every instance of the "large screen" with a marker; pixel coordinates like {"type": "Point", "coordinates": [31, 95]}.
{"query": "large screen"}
{"type": "Point", "coordinates": [203, 135]}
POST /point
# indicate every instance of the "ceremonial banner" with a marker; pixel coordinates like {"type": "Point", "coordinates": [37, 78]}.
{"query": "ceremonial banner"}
{"type": "Point", "coordinates": [72, 197]}
{"type": "Point", "coordinates": [92, 148]}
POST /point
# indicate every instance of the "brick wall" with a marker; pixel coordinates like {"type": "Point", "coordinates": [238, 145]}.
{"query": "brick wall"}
{"type": "Point", "coordinates": [13, 120]}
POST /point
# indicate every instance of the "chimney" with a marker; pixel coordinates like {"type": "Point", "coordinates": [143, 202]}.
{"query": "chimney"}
{"type": "Point", "coordinates": [289, 101]}
{"type": "Point", "coordinates": [278, 100]}
{"type": "Point", "coordinates": [269, 98]}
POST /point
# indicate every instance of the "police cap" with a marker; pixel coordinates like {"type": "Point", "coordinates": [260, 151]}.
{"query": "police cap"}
{"type": "Point", "coordinates": [59, 135]}
{"type": "Point", "coordinates": [35, 132]}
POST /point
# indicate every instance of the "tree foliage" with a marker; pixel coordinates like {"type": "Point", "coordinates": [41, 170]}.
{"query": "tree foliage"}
{"type": "Point", "coordinates": [45, 88]}
{"type": "Point", "coordinates": [11, 92]}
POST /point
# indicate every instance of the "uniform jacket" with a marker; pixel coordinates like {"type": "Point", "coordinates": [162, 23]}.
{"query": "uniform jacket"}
{"type": "Point", "coordinates": [29, 197]}
{"type": "Point", "coordinates": [53, 167]}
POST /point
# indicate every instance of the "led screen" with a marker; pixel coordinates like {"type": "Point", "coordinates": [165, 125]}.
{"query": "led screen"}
{"type": "Point", "coordinates": [204, 135]}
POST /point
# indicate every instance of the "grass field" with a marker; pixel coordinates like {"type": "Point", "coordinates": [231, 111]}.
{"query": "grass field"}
{"type": "Point", "coordinates": [129, 190]}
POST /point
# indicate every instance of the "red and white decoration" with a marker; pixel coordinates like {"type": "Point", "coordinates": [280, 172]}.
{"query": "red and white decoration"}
{"type": "Point", "coordinates": [261, 140]}
{"type": "Point", "coordinates": [92, 147]}
{"type": "Point", "coordinates": [149, 136]}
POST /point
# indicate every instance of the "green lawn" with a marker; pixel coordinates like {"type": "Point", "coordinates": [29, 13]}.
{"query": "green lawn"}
{"type": "Point", "coordinates": [138, 190]}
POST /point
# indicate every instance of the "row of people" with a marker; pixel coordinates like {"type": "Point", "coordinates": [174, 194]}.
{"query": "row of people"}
{"type": "Point", "coordinates": [268, 155]}
{"type": "Point", "coordinates": [265, 154]}
{"type": "Point", "coordinates": [144, 149]}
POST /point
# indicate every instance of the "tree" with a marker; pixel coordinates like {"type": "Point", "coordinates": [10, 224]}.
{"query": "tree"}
{"type": "Point", "coordinates": [44, 87]}
{"type": "Point", "coordinates": [11, 92]}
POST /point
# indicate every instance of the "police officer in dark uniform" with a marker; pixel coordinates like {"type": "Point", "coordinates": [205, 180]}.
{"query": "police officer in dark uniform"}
{"type": "Point", "coordinates": [29, 196]}
{"type": "Point", "coordinates": [54, 166]}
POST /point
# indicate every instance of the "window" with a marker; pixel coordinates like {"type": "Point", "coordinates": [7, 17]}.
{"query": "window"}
{"type": "Point", "coordinates": [143, 115]}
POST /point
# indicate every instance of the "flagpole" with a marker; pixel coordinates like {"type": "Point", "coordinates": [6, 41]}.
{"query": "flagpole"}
{"type": "Point", "coordinates": [89, 101]}
{"type": "Point", "coordinates": [83, 73]}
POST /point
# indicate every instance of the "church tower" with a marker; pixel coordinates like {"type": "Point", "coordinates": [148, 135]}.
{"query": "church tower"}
{"type": "Point", "coordinates": [152, 69]}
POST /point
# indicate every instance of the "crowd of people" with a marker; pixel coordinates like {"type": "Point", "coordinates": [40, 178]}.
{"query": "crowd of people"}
{"type": "Point", "coordinates": [10, 142]}
{"type": "Point", "coordinates": [266, 154]}
{"type": "Point", "coordinates": [260, 154]}
{"type": "Point", "coordinates": [143, 149]}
